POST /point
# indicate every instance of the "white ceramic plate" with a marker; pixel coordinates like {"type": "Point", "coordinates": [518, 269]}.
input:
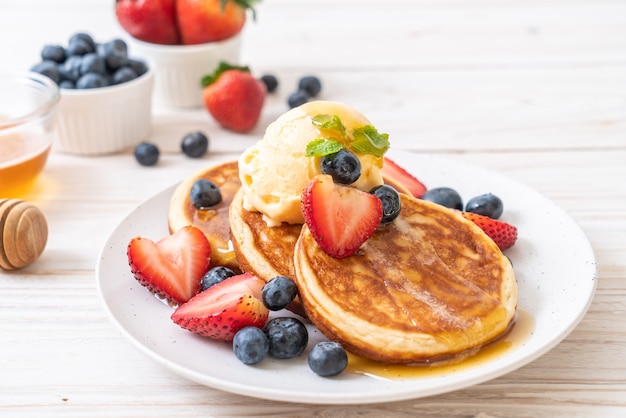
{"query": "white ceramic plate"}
{"type": "Point", "coordinates": [553, 261]}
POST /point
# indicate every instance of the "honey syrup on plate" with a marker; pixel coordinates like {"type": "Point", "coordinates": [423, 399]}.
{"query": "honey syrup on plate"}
{"type": "Point", "coordinates": [519, 332]}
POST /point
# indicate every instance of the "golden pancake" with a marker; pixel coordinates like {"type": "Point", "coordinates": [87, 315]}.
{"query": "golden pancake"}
{"type": "Point", "coordinates": [427, 286]}
{"type": "Point", "coordinates": [265, 251]}
{"type": "Point", "coordinates": [213, 221]}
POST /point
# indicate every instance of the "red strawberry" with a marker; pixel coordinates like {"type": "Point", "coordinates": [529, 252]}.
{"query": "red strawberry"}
{"type": "Point", "coordinates": [502, 233]}
{"type": "Point", "coordinates": [149, 20]}
{"type": "Point", "coordinates": [224, 308]}
{"type": "Point", "coordinates": [393, 171]}
{"type": "Point", "coordinates": [341, 218]}
{"type": "Point", "coordinates": [203, 21]}
{"type": "Point", "coordinates": [234, 97]}
{"type": "Point", "coordinates": [173, 267]}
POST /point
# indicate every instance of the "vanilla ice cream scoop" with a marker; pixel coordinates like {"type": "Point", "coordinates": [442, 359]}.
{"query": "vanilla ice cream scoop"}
{"type": "Point", "coordinates": [276, 169]}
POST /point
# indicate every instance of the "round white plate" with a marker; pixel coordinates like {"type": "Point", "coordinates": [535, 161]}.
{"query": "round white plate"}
{"type": "Point", "coordinates": [553, 261]}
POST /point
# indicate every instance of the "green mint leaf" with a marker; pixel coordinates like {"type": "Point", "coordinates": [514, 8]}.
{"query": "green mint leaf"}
{"type": "Point", "coordinates": [322, 146]}
{"type": "Point", "coordinates": [367, 140]}
{"type": "Point", "coordinates": [330, 123]}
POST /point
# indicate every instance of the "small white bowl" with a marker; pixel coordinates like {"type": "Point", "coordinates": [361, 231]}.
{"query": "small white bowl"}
{"type": "Point", "coordinates": [180, 68]}
{"type": "Point", "coordinates": [105, 120]}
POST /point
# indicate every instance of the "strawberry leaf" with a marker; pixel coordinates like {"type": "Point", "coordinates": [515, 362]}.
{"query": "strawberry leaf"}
{"type": "Point", "coordinates": [246, 4]}
{"type": "Point", "coordinates": [222, 68]}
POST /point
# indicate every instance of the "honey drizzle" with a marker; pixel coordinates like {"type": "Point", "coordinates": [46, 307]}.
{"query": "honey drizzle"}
{"type": "Point", "coordinates": [519, 332]}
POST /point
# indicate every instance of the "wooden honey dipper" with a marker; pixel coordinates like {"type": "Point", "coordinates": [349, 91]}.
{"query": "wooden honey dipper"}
{"type": "Point", "coordinates": [23, 233]}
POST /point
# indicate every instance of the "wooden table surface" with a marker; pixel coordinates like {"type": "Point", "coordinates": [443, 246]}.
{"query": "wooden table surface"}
{"type": "Point", "coordinates": [535, 90]}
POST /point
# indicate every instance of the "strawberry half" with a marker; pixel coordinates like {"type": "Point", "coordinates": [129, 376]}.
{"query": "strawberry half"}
{"type": "Point", "coordinates": [393, 171]}
{"type": "Point", "coordinates": [502, 233]}
{"type": "Point", "coordinates": [341, 218]}
{"type": "Point", "coordinates": [224, 308]}
{"type": "Point", "coordinates": [173, 267]}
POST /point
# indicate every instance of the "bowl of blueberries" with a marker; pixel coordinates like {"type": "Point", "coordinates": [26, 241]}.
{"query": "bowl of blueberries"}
{"type": "Point", "coordinates": [106, 94]}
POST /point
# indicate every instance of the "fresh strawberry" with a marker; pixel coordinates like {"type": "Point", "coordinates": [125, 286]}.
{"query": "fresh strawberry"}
{"type": "Point", "coordinates": [173, 267]}
{"type": "Point", "coordinates": [502, 233]}
{"type": "Point", "coordinates": [224, 308]}
{"type": "Point", "coordinates": [201, 21]}
{"type": "Point", "coordinates": [341, 218]}
{"type": "Point", "coordinates": [393, 171]}
{"type": "Point", "coordinates": [151, 21]}
{"type": "Point", "coordinates": [234, 97]}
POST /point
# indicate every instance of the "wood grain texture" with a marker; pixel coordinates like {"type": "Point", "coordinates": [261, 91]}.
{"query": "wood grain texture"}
{"type": "Point", "coordinates": [533, 89]}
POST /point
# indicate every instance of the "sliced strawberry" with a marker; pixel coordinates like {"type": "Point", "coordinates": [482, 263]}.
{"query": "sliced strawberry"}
{"type": "Point", "coordinates": [341, 218]}
{"type": "Point", "coordinates": [393, 171]}
{"type": "Point", "coordinates": [502, 233]}
{"type": "Point", "coordinates": [173, 267]}
{"type": "Point", "coordinates": [223, 309]}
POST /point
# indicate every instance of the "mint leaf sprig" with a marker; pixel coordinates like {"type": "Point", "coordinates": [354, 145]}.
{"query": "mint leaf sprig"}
{"type": "Point", "coordinates": [363, 140]}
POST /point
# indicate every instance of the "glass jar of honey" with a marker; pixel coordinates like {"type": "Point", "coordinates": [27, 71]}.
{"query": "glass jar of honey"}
{"type": "Point", "coordinates": [27, 107]}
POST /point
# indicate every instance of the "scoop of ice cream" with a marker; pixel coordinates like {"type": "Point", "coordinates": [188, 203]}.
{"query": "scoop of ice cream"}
{"type": "Point", "coordinates": [276, 169]}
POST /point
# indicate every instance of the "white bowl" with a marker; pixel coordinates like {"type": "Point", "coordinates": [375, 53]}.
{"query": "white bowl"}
{"type": "Point", "coordinates": [180, 68]}
{"type": "Point", "coordinates": [105, 120]}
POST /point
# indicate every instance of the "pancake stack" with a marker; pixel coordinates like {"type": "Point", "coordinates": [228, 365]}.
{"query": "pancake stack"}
{"type": "Point", "coordinates": [428, 286]}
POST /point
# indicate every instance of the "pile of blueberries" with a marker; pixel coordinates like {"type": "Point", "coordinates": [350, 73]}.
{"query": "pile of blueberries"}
{"type": "Point", "coordinates": [86, 64]}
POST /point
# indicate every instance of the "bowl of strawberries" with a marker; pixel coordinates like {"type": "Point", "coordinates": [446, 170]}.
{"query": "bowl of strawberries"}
{"type": "Point", "coordinates": [183, 40]}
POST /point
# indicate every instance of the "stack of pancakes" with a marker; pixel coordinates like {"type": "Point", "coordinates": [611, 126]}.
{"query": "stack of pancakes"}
{"type": "Point", "coordinates": [427, 286]}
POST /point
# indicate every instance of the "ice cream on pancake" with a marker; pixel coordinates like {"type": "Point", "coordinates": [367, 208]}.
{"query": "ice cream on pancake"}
{"type": "Point", "coordinates": [274, 171]}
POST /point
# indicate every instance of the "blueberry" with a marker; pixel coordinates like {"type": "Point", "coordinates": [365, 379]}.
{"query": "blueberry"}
{"type": "Point", "coordinates": [270, 81]}
{"type": "Point", "coordinates": [54, 53]}
{"type": "Point", "coordinates": [486, 204]}
{"type": "Point", "coordinates": [204, 194]}
{"type": "Point", "coordinates": [92, 63]}
{"type": "Point", "coordinates": [444, 196]}
{"type": "Point", "coordinates": [297, 98]}
{"type": "Point", "coordinates": [67, 84]}
{"type": "Point", "coordinates": [70, 69]}
{"type": "Point", "coordinates": [343, 166]}
{"type": "Point", "coordinates": [91, 81]}
{"type": "Point", "coordinates": [123, 75]}
{"type": "Point", "coordinates": [139, 66]}
{"type": "Point", "coordinates": [279, 292]}
{"type": "Point", "coordinates": [311, 85]}
{"type": "Point", "coordinates": [214, 276]}
{"type": "Point", "coordinates": [147, 154]}
{"type": "Point", "coordinates": [78, 47]}
{"type": "Point", "coordinates": [390, 200]}
{"type": "Point", "coordinates": [49, 69]}
{"type": "Point", "coordinates": [85, 38]}
{"type": "Point", "coordinates": [115, 53]}
{"type": "Point", "coordinates": [195, 144]}
{"type": "Point", "coordinates": [328, 358]}
{"type": "Point", "coordinates": [250, 345]}
{"type": "Point", "coordinates": [288, 337]}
